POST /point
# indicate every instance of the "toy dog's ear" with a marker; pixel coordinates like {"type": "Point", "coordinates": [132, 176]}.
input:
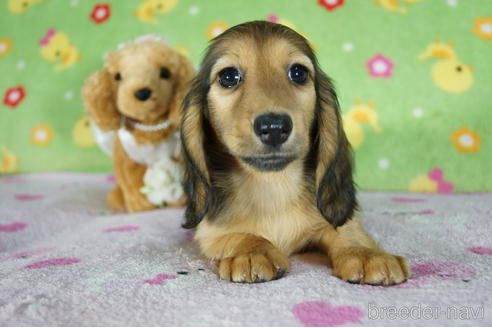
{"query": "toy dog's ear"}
{"type": "Point", "coordinates": [99, 100]}
{"type": "Point", "coordinates": [194, 125]}
{"type": "Point", "coordinates": [183, 76]}
{"type": "Point", "coordinates": [335, 193]}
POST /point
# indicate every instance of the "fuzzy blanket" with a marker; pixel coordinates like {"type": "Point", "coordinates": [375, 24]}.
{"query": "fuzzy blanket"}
{"type": "Point", "coordinates": [66, 260]}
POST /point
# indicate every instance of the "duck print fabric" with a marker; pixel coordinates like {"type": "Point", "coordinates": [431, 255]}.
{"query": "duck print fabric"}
{"type": "Point", "coordinates": [413, 78]}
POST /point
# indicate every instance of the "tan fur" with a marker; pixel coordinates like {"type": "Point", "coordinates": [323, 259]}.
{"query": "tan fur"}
{"type": "Point", "coordinates": [108, 100]}
{"type": "Point", "coordinates": [269, 215]}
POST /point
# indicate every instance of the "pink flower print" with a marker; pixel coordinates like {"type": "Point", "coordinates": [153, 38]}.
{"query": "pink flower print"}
{"type": "Point", "coordinates": [380, 66]}
{"type": "Point", "coordinates": [322, 314]}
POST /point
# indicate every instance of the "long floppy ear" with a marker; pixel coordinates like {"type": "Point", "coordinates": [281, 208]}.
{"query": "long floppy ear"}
{"type": "Point", "coordinates": [99, 100]}
{"type": "Point", "coordinates": [183, 76]}
{"type": "Point", "coordinates": [335, 193]}
{"type": "Point", "coordinates": [197, 184]}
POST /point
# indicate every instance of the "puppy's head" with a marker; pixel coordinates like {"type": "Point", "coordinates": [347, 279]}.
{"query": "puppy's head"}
{"type": "Point", "coordinates": [144, 80]}
{"type": "Point", "coordinates": [261, 94]}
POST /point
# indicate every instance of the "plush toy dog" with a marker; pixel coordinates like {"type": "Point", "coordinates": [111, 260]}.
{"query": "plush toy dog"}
{"type": "Point", "coordinates": [134, 104]}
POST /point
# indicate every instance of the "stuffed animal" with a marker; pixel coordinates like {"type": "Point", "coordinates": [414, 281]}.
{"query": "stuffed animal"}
{"type": "Point", "coordinates": [134, 104]}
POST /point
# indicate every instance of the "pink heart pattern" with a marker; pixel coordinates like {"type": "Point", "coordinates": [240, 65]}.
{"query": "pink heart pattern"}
{"type": "Point", "coordinates": [322, 314]}
{"type": "Point", "coordinates": [52, 262]}
{"type": "Point", "coordinates": [480, 250]}
{"type": "Point", "coordinates": [13, 227]}
{"type": "Point", "coordinates": [28, 197]}
{"type": "Point", "coordinates": [122, 228]}
{"type": "Point", "coordinates": [26, 254]}
{"type": "Point", "coordinates": [160, 279]}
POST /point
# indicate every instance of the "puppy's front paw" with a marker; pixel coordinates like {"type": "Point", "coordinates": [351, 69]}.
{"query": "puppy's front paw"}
{"type": "Point", "coordinates": [369, 266]}
{"type": "Point", "coordinates": [254, 267]}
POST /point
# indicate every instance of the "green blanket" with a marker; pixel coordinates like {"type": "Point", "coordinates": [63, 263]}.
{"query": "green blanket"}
{"type": "Point", "coordinates": [414, 78]}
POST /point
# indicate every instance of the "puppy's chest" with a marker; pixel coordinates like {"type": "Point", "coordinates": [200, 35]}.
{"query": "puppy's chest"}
{"type": "Point", "coordinates": [279, 209]}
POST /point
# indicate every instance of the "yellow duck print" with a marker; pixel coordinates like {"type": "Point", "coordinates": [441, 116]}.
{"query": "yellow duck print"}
{"type": "Point", "coordinates": [82, 133]}
{"type": "Point", "coordinates": [21, 6]}
{"type": "Point", "coordinates": [352, 122]}
{"type": "Point", "coordinates": [57, 48]}
{"type": "Point", "coordinates": [448, 73]}
{"type": "Point", "coordinates": [9, 162]}
{"type": "Point", "coordinates": [393, 5]}
{"type": "Point", "coordinates": [148, 8]}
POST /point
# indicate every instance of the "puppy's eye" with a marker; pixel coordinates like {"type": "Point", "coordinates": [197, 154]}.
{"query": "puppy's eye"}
{"type": "Point", "coordinates": [117, 76]}
{"type": "Point", "coordinates": [298, 74]}
{"type": "Point", "coordinates": [230, 77]}
{"type": "Point", "coordinates": [165, 73]}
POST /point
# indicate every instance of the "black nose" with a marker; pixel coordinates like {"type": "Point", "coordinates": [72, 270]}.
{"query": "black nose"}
{"type": "Point", "coordinates": [273, 129]}
{"type": "Point", "coordinates": [143, 94]}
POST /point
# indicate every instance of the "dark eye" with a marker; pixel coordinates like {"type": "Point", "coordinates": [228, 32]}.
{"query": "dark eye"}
{"type": "Point", "coordinates": [298, 74]}
{"type": "Point", "coordinates": [117, 76]}
{"type": "Point", "coordinates": [165, 73]}
{"type": "Point", "coordinates": [229, 77]}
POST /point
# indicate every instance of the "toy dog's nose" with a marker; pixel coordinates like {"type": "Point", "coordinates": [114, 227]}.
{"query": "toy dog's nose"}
{"type": "Point", "coordinates": [273, 129]}
{"type": "Point", "coordinates": [143, 94]}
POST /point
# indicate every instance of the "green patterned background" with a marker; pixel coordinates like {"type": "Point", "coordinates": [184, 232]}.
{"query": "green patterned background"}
{"type": "Point", "coordinates": [417, 124]}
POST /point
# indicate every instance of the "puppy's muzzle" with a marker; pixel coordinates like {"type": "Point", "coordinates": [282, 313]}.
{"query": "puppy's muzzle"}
{"type": "Point", "coordinates": [273, 130]}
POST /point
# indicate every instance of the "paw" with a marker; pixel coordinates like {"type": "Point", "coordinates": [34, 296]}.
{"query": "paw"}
{"type": "Point", "coordinates": [368, 266]}
{"type": "Point", "coordinates": [254, 267]}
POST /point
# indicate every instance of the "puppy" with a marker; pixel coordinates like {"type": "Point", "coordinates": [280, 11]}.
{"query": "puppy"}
{"type": "Point", "coordinates": [268, 166]}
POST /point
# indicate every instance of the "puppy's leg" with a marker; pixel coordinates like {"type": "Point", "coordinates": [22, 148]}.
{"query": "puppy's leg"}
{"type": "Point", "coordinates": [356, 258]}
{"type": "Point", "coordinates": [130, 178]}
{"type": "Point", "coordinates": [244, 257]}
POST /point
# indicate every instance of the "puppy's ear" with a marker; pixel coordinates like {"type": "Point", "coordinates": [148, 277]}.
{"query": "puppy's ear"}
{"type": "Point", "coordinates": [197, 177]}
{"type": "Point", "coordinates": [99, 100]}
{"type": "Point", "coordinates": [335, 193]}
{"type": "Point", "coordinates": [183, 76]}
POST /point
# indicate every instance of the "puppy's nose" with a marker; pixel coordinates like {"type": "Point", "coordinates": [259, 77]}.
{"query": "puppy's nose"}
{"type": "Point", "coordinates": [273, 129]}
{"type": "Point", "coordinates": [143, 94]}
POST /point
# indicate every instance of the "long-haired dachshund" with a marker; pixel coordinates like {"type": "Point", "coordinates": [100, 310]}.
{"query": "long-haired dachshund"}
{"type": "Point", "coordinates": [269, 168]}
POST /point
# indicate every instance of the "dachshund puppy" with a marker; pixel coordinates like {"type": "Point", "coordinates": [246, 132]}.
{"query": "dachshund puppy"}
{"type": "Point", "coordinates": [268, 166]}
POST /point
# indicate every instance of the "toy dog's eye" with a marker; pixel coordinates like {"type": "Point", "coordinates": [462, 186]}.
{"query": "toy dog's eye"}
{"type": "Point", "coordinates": [230, 77]}
{"type": "Point", "coordinates": [298, 74]}
{"type": "Point", "coordinates": [117, 76]}
{"type": "Point", "coordinates": [165, 73]}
